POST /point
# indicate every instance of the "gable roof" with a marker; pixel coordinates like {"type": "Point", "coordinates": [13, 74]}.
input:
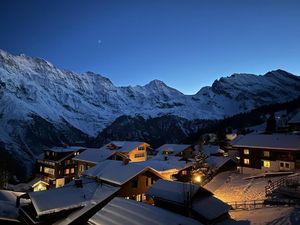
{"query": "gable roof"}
{"type": "Point", "coordinates": [202, 201]}
{"type": "Point", "coordinates": [159, 163]}
{"type": "Point", "coordinates": [130, 212]}
{"type": "Point", "coordinates": [123, 146]}
{"type": "Point", "coordinates": [70, 196]}
{"type": "Point", "coordinates": [174, 191]}
{"type": "Point", "coordinates": [175, 148]}
{"type": "Point", "coordinates": [65, 149]}
{"type": "Point", "coordinates": [116, 172]}
{"type": "Point", "coordinates": [271, 141]}
{"type": "Point", "coordinates": [94, 155]}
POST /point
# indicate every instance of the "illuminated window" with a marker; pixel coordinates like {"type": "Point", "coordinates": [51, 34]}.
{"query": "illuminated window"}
{"type": "Point", "coordinates": [246, 151]}
{"type": "Point", "coordinates": [267, 164]}
{"type": "Point", "coordinates": [49, 170]}
{"type": "Point", "coordinates": [81, 167]}
{"type": "Point", "coordinates": [67, 171]}
{"type": "Point", "coordinates": [246, 161]}
{"type": "Point", "coordinates": [183, 172]}
{"type": "Point", "coordinates": [266, 154]}
{"type": "Point", "coordinates": [72, 170]}
{"type": "Point", "coordinates": [139, 155]}
{"type": "Point", "coordinates": [41, 168]}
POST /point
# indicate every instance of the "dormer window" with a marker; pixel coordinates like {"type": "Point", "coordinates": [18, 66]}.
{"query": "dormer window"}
{"type": "Point", "coordinates": [246, 151]}
{"type": "Point", "coordinates": [141, 148]}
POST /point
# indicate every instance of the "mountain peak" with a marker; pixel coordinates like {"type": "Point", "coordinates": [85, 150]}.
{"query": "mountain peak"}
{"type": "Point", "coordinates": [156, 83]}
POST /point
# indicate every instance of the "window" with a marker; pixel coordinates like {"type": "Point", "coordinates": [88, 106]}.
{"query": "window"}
{"type": "Point", "coordinates": [267, 164]}
{"type": "Point", "coordinates": [141, 148]}
{"type": "Point", "coordinates": [41, 169]}
{"type": "Point", "coordinates": [246, 161]}
{"type": "Point", "coordinates": [287, 165]}
{"type": "Point", "coordinates": [148, 181]}
{"type": "Point", "coordinates": [281, 164]}
{"type": "Point", "coordinates": [266, 154]}
{"type": "Point", "coordinates": [138, 198]}
{"type": "Point", "coordinates": [140, 155]}
{"type": "Point", "coordinates": [183, 172]}
{"type": "Point", "coordinates": [246, 151]}
{"type": "Point", "coordinates": [67, 171]}
{"type": "Point", "coordinates": [134, 183]}
{"type": "Point", "coordinates": [49, 170]}
{"type": "Point", "coordinates": [72, 170]}
{"type": "Point", "coordinates": [81, 168]}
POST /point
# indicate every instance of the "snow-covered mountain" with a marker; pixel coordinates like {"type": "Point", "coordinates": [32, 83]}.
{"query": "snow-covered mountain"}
{"type": "Point", "coordinates": [34, 92]}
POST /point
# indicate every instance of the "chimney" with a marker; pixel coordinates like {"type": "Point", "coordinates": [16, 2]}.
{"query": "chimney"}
{"type": "Point", "coordinates": [78, 183]}
{"type": "Point", "coordinates": [126, 161]}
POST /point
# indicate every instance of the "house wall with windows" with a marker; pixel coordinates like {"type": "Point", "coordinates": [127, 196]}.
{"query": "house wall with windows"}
{"type": "Point", "coordinates": [139, 153]}
{"type": "Point", "coordinates": [137, 186]}
{"type": "Point", "coordinates": [255, 160]}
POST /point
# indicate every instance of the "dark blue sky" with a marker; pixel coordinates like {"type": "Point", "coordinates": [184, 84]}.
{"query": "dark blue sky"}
{"type": "Point", "coordinates": [187, 44]}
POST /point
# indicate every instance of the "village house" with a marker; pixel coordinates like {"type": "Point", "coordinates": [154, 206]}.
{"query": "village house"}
{"type": "Point", "coordinates": [189, 200]}
{"type": "Point", "coordinates": [115, 150]}
{"type": "Point", "coordinates": [167, 167]}
{"type": "Point", "coordinates": [80, 199]}
{"type": "Point", "coordinates": [132, 179]}
{"type": "Point", "coordinates": [179, 150]}
{"type": "Point", "coordinates": [57, 167]}
{"type": "Point", "coordinates": [267, 153]}
{"type": "Point", "coordinates": [128, 212]}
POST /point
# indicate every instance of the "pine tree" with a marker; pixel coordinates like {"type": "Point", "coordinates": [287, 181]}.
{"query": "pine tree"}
{"type": "Point", "coordinates": [271, 124]}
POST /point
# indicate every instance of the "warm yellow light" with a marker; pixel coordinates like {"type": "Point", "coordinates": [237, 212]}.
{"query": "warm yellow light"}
{"type": "Point", "coordinates": [197, 178]}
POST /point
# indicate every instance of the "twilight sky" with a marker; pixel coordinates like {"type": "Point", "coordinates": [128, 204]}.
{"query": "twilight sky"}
{"type": "Point", "coordinates": [187, 44]}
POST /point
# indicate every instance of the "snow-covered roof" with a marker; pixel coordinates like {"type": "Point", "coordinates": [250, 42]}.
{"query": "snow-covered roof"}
{"type": "Point", "coordinates": [8, 207]}
{"type": "Point", "coordinates": [295, 118]}
{"type": "Point", "coordinates": [271, 141]}
{"type": "Point", "coordinates": [160, 164]}
{"type": "Point", "coordinates": [210, 207]}
{"type": "Point", "coordinates": [174, 191]}
{"type": "Point", "coordinates": [210, 149]}
{"type": "Point", "coordinates": [66, 149]}
{"type": "Point", "coordinates": [174, 148]}
{"type": "Point", "coordinates": [94, 155]}
{"type": "Point", "coordinates": [215, 162]}
{"type": "Point", "coordinates": [129, 212]}
{"type": "Point", "coordinates": [70, 196]}
{"type": "Point", "coordinates": [123, 146]}
{"type": "Point", "coordinates": [117, 172]}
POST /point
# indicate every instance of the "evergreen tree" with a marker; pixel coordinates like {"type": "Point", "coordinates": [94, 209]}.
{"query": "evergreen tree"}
{"type": "Point", "coordinates": [271, 124]}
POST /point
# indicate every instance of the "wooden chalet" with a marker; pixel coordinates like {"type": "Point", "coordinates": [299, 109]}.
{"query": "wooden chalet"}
{"type": "Point", "coordinates": [57, 167]}
{"type": "Point", "coordinates": [189, 200]}
{"type": "Point", "coordinates": [267, 153]}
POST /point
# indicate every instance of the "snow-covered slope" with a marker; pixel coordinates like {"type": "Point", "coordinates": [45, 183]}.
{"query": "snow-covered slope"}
{"type": "Point", "coordinates": [32, 87]}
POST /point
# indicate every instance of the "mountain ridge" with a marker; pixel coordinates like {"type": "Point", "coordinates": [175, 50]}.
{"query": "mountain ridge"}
{"type": "Point", "coordinates": [85, 104]}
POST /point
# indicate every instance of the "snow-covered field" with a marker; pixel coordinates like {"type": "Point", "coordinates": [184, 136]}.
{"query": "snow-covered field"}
{"type": "Point", "coordinates": [266, 216]}
{"type": "Point", "coordinates": [231, 186]}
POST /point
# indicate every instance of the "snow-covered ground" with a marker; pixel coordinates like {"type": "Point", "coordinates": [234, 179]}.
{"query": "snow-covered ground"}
{"type": "Point", "coordinates": [265, 216]}
{"type": "Point", "coordinates": [232, 186]}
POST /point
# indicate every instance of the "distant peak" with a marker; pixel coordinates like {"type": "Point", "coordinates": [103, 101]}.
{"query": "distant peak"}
{"type": "Point", "coordinates": [157, 83]}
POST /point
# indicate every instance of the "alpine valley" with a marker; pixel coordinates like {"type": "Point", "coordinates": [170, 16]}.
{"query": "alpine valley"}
{"type": "Point", "coordinates": [42, 105]}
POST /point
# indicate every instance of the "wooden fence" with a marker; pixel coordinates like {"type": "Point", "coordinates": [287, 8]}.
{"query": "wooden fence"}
{"type": "Point", "coordinates": [258, 204]}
